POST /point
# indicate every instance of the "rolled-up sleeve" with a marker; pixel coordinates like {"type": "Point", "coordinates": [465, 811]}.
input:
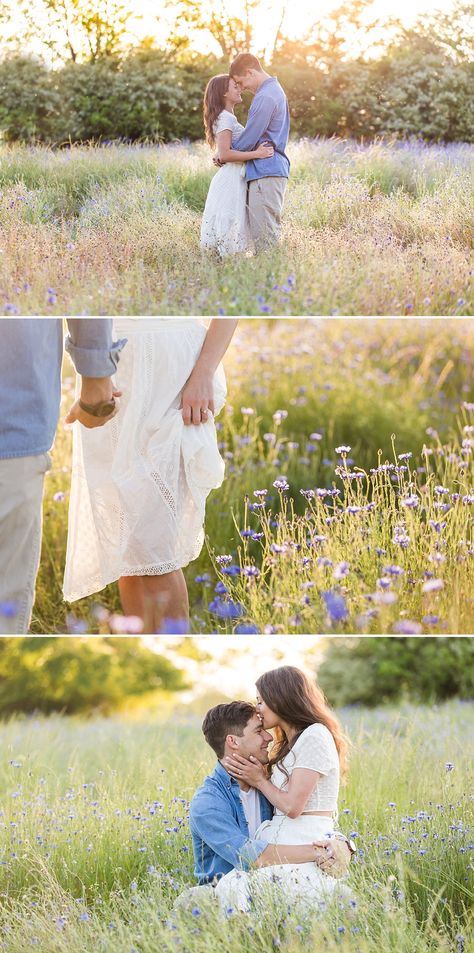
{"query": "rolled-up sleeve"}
{"type": "Point", "coordinates": [220, 831]}
{"type": "Point", "coordinates": [91, 346]}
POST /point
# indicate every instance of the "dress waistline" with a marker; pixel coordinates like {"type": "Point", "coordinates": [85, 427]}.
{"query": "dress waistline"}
{"type": "Point", "coordinates": [151, 325]}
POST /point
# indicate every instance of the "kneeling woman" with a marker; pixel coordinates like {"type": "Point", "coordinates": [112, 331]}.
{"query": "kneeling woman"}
{"type": "Point", "coordinates": [302, 782]}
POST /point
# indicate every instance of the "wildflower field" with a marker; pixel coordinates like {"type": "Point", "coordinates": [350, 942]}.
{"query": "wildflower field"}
{"type": "Point", "coordinates": [384, 228]}
{"type": "Point", "coordinates": [348, 502]}
{"type": "Point", "coordinates": [95, 844]}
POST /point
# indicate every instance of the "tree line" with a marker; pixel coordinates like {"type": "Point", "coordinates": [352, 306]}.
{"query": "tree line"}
{"type": "Point", "coordinates": [386, 670]}
{"type": "Point", "coordinates": [92, 84]}
{"type": "Point", "coordinates": [78, 675]}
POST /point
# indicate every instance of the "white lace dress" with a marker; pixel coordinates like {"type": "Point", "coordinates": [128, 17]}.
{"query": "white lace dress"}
{"type": "Point", "coordinates": [140, 483]}
{"type": "Point", "coordinates": [225, 220]}
{"type": "Point", "coordinates": [304, 886]}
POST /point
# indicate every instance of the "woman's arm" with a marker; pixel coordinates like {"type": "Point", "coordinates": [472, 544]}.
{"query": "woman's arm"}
{"type": "Point", "coordinates": [198, 394]}
{"type": "Point", "coordinates": [225, 152]}
{"type": "Point", "coordinates": [292, 801]}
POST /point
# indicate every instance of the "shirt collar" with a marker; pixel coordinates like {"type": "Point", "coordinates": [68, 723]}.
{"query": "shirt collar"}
{"type": "Point", "coordinates": [271, 79]}
{"type": "Point", "coordinates": [221, 773]}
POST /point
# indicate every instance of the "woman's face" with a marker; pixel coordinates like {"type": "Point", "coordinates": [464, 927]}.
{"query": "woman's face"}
{"type": "Point", "coordinates": [232, 96]}
{"type": "Point", "coordinates": [268, 717]}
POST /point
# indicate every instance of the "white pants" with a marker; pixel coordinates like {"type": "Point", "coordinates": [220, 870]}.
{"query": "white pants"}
{"type": "Point", "coordinates": [21, 497]}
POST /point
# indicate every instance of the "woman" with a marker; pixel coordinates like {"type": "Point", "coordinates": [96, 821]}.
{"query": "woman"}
{"type": "Point", "coordinates": [224, 224]}
{"type": "Point", "coordinates": [139, 484]}
{"type": "Point", "coordinates": [301, 781]}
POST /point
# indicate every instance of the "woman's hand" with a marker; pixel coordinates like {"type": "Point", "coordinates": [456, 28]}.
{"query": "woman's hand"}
{"type": "Point", "coordinates": [248, 770]}
{"type": "Point", "coordinates": [198, 398]}
{"type": "Point", "coordinates": [264, 151]}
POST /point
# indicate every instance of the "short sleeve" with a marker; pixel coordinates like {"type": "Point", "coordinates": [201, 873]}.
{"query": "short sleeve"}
{"type": "Point", "coordinates": [315, 749]}
{"type": "Point", "coordinates": [225, 120]}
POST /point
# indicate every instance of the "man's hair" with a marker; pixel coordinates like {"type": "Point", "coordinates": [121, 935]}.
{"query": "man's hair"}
{"type": "Point", "coordinates": [223, 720]}
{"type": "Point", "coordinates": [243, 62]}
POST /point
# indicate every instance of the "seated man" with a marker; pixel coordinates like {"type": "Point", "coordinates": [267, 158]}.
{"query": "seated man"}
{"type": "Point", "coordinates": [225, 813]}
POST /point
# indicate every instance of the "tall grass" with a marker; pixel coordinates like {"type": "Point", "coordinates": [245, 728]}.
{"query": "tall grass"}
{"type": "Point", "coordinates": [341, 383]}
{"type": "Point", "coordinates": [384, 228]}
{"type": "Point", "coordinates": [95, 844]}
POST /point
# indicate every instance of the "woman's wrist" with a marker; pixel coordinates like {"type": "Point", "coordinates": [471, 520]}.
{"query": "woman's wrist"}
{"type": "Point", "coordinates": [266, 787]}
{"type": "Point", "coordinates": [205, 367]}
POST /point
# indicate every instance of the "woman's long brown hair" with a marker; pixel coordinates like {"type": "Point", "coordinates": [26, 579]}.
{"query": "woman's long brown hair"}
{"type": "Point", "coordinates": [298, 701]}
{"type": "Point", "coordinates": [214, 104]}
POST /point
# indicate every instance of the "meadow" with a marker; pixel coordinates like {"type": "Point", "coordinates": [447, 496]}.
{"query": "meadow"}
{"type": "Point", "coordinates": [95, 845]}
{"type": "Point", "coordinates": [382, 228]}
{"type": "Point", "coordinates": [349, 491]}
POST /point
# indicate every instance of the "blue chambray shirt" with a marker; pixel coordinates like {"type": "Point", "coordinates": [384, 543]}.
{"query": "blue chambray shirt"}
{"type": "Point", "coordinates": [219, 829]}
{"type": "Point", "coordinates": [268, 118]}
{"type": "Point", "coordinates": [31, 353]}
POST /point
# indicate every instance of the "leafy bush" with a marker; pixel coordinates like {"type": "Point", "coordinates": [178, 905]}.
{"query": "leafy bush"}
{"type": "Point", "coordinates": [375, 671]}
{"type": "Point", "coordinates": [152, 94]}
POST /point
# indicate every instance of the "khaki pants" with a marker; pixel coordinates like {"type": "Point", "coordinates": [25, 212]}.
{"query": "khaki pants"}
{"type": "Point", "coordinates": [21, 497]}
{"type": "Point", "coordinates": [265, 203]}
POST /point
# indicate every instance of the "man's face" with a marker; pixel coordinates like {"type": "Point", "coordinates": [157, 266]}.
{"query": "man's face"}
{"type": "Point", "coordinates": [254, 741]}
{"type": "Point", "coordinates": [246, 80]}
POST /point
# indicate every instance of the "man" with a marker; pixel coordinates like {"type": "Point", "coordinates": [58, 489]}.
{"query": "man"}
{"type": "Point", "coordinates": [225, 813]}
{"type": "Point", "coordinates": [268, 121]}
{"type": "Point", "coordinates": [31, 353]}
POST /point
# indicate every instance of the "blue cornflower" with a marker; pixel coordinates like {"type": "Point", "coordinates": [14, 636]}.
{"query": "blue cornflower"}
{"type": "Point", "coordinates": [226, 610]}
{"type": "Point", "coordinates": [174, 627]}
{"type": "Point", "coordinates": [335, 605]}
{"type": "Point", "coordinates": [203, 578]}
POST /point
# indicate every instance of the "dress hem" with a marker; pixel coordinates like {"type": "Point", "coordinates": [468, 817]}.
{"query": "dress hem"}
{"type": "Point", "coordinates": [142, 571]}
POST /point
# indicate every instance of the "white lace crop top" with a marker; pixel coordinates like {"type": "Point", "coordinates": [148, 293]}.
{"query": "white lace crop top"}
{"type": "Point", "coordinates": [315, 749]}
{"type": "Point", "coordinates": [227, 120]}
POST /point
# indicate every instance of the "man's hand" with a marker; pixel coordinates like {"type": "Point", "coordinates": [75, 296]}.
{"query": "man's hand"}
{"type": "Point", "coordinates": [94, 390]}
{"type": "Point", "coordinates": [333, 856]}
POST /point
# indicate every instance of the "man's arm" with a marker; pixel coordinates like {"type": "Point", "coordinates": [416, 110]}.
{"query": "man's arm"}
{"type": "Point", "coordinates": [219, 830]}
{"type": "Point", "coordinates": [258, 120]}
{"type": "Point", "coordinates": [95, 356]}
{"type": "Point", "coordinates": [215, 825]}
{"type": "Point", "coordinates": [333, 856]}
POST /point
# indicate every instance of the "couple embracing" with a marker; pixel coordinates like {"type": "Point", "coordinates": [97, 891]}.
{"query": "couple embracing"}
{"type": "Point", "coordinates": [245, 199]}
{"type": "Point", "coordinates": [145, 457]}
{"type": "Point", "coordinates": [263, 823]}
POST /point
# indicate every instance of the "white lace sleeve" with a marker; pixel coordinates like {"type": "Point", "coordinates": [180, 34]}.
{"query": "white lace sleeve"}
{"type": "Point", "coordinates": [315, 749]}
{"type": "Point", "coordinates": [224, 121]}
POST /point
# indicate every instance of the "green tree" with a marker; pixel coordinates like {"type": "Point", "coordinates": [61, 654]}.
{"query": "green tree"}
{"type": "Point", "coordinates": [78, 29]}
{"type": "Point", "coordinates": [75, 674]}
{"type": "Point", "coordinates": [332, 36]}
{"type": "Point", "coordinates": [375, 671]}
{"type": "Point", "coordinates": [446, 31]}
{"type": "Point", "coordinates": [232, 33]}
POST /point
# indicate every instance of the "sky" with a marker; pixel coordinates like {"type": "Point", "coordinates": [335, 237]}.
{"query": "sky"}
{"type": "Point", "coordinates": [156, 19]}
{"type": "Point", "coordinates": [236, 661]}
{"type": "Point", "coordinates": [298, 17]}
